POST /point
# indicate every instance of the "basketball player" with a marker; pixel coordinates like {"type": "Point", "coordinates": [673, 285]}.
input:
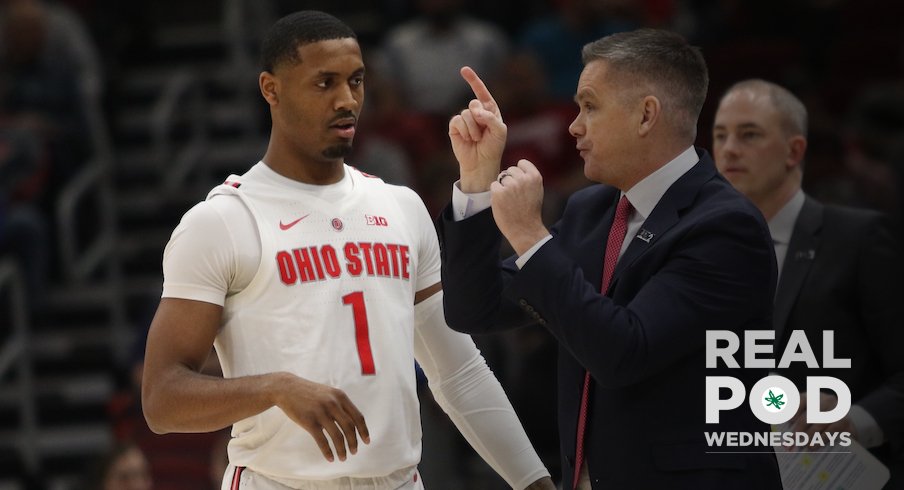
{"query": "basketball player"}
{"type": "Point", "coordinates": [319, 287]}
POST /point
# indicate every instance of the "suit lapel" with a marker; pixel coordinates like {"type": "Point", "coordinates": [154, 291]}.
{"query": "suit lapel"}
{"type": "Point", "coordinates": [666, 213]}
{"type": "Point", "coordinates": [800, 255]}
{"type": "Point", "coordinates": [660, 220]}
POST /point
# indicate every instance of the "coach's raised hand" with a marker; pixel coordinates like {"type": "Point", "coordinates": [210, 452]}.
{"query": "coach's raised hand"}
{"type": "Point", "coordinates": [478, 137]}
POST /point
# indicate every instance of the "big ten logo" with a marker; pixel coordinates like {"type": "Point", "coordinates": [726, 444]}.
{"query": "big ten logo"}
{"type": "Point", "coordinates": [376, 220]}
{"type": "Point", "coordinates": [773, 399]}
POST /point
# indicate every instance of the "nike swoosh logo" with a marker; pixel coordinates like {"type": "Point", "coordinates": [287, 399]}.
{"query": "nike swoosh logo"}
{"type": "Point", "coordinates": [286, 226]}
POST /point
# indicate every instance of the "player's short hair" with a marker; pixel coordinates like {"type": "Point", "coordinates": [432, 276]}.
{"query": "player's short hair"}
{"type": "Point", "coordinates": [659, 60]}
{"type": "Point", "coordinates": [792, 111]}
{"type": "Point", "coordinates": [280, 44]}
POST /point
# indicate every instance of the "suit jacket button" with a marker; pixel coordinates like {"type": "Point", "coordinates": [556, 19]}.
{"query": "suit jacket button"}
{"type": "Point", "coordinates": [522, 302]}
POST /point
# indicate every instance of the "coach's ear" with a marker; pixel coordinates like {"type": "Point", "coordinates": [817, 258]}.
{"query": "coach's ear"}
{"type": "Point", "coordinates": [650, 109]}
{"type": "Point", "coordinates": [269, 87]}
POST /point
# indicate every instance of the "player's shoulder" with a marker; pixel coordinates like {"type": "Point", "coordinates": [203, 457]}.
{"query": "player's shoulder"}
{"type": "Point", "coordinates": [214, 211]}
{"type": "Point", "coordinates": [409, 200]}
{"type": "Point", "coordinates": [257, 180]}
{"type": "Point", "coordinates": [405, 193]}
{"type": "Point", "coordinates": [200, 212]}
{"type": "Point", "coordinates": [400, 192]}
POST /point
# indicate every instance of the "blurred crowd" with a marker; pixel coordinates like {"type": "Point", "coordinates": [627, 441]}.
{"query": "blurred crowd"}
{"type": "Point", "coordinates": [843, 58]}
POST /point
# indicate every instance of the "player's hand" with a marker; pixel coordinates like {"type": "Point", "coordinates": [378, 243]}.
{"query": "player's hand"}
{"type": "Point", "coordinates": [319, 408]}
{"type": "Point", "coordinates": [544, 483]}
{"type": "Point", "coordinates": [517, 198]}
{"type": "Point", "coordinates": [478, 137]}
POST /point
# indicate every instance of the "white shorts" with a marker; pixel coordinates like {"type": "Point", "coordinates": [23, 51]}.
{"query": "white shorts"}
{"type": "Point", "coordinates": [246, 479]}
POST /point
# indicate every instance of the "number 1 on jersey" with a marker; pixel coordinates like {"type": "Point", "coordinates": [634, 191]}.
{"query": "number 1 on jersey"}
{"type": "Point", "coordinates": [362, 336]}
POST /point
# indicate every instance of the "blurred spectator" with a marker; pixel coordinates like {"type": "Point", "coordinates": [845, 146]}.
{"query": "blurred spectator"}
{"type": "Point", "coordinates": [124, 467]}
{"type": "Point", "coordinates": [50, 32]}
{"type": "Point", "coordinates": [23, 236]}
{"type": "Point", "coordinates": [401, 145]}
{"type": "Point", "coordinates": [874, 132]}
{"type": "Point", "coordinates": [48, 68]}
{"type": "Point", "coordinates": [509, 15]}
{"type": "Point", "coordinates": [425, 54]}
{"type": "Point", "coordinates": [557, 40]}
{"type": "Point", "coordinates": [863, 167]}
{"type": "Point", "coordinates": [391, 135]}
{"type": "Point", "coordinates": [23, 229]}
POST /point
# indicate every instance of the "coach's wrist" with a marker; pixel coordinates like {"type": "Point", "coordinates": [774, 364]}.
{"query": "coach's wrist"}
{"type": "Point", "coordinates": [478, 180]}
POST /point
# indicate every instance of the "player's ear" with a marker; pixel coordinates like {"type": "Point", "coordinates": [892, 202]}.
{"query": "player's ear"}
{"type": "Point", "coordinates": [269, 86]}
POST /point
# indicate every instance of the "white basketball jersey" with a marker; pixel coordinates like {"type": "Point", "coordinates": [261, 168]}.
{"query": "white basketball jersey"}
{"type": "Point", "coordinates": [332, 302]}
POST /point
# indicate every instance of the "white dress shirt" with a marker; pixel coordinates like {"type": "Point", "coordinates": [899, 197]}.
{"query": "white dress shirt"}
{"type": "Point", "coordinates": [781, 226]}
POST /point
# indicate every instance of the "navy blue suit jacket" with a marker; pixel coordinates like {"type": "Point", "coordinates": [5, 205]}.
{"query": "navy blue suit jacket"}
{"type": "Point", "coordinates": [842, 273]}
{"type": "Point", "coordinates": [708, 264]}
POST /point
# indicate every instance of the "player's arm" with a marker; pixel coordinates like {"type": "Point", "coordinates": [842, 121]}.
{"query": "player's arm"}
{"type": "Point", "coordinates": [458, 376]}
{"type": "Point", "coordinates": [471, 395]}
{"type": "Point", "coordinates": [177, 397]}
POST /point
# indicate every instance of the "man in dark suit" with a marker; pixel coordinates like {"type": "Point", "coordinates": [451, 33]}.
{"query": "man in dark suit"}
{"type": "Point", "coordinates": [632, 276]}
{"type": "Point", "coordinates": [840, 268]}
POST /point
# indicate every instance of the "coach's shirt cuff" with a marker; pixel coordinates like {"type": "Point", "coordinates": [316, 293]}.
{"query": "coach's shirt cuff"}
{"type": "Point", "coordinates": [520, 261]}
{"type": "Point", "coordinates": [466, 205]}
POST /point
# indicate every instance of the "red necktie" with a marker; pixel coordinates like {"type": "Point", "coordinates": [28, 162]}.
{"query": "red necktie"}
{"type": "Point", "coordinates": [613, 248]}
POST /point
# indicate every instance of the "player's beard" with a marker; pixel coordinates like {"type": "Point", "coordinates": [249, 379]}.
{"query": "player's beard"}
{"type": "Point", "coordinates": [341, 150]}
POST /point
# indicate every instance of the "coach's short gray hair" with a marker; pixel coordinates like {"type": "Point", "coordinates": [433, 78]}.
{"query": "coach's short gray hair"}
{"type": "Point", "coordinates": [663, 60]}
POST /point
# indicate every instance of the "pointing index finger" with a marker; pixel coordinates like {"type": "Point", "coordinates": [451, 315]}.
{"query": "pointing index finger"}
{"type": "Point", "coordinates": [478, 87]}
